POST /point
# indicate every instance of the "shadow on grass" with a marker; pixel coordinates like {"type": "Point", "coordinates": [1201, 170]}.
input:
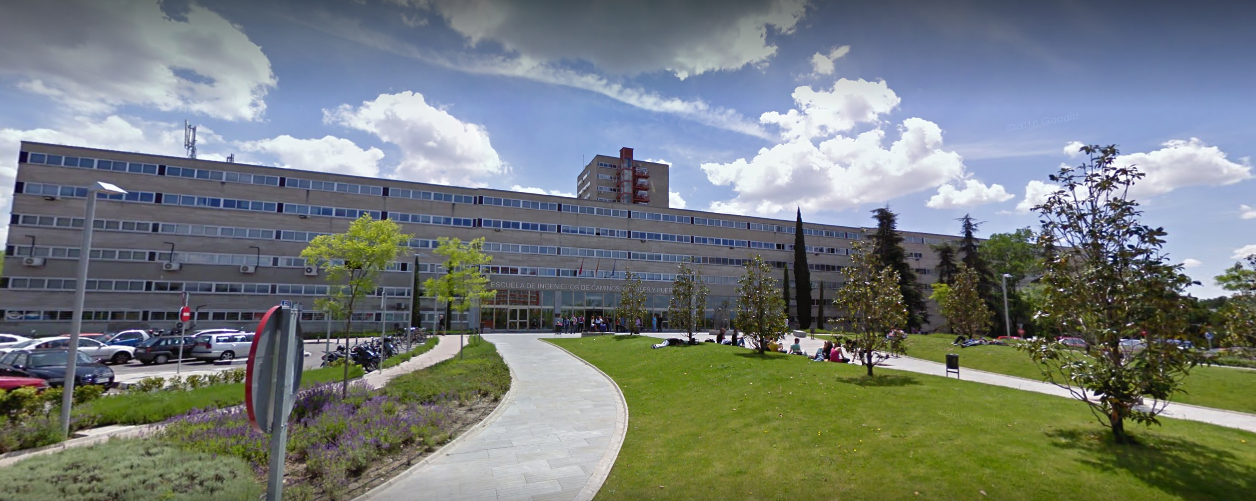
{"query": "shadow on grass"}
{"type": "Point", "coordinates": [1176, 466]}
{"type": "Point", "coordinates": [880, 380]}
{"type": "Point", "coordinates": [753, 354]}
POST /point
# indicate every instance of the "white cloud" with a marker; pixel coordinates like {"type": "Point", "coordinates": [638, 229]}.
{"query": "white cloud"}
{"type": "Point", "coordinates": [1074, 149]}
{"type": "Point", "coordinates": [627, 36]}
{"type": "Point", "coordinates": [112, 132]}
{"type": "Point", "coordinates": [436, 147]}
{"type": "Point", "coordinates": [824, 113]}
{"type": "Point", "coordinates": [973, 194]}
{"type": "Point", "coordinates": [1036, 192]}
{"type": "Point", "coordinates": [1244, 251]}
{"type": "Point", "coordinates": [822, 64]}
{"type": "Point", "coordinates": [94, 57]}
{"type": "Point", "coordinates": [1247, 212]}
{"type": "Point", "coordinates": [675, 201]}
{"type": "Point", "coordinates": [1191, 263]}
{"type": "Point", "coordinates": [542, 191]}
{"type": "Point", "coordinates": [1183, 163]}
{"type": "Point", "coordinates": [329, 154]}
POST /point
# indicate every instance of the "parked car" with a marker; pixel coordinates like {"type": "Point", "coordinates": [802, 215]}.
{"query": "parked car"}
{"type": "Point", "coordinates": [159, 350]}
{"type": "Point", "coordinates": [221, 346]}
{"type": "Point", "coordinates": [95, 349]}
{"type": "Point", "coordinates": [132, 337]}
{"type": "Point", "coordinates": [1073, 342]}
{"type": "Point", "coordinates": [49, 365]}
{"type": "Point", "coordinates": [1129, 346]}
{"type": "Point", "coordinates": [7, 340]}
{"type": "Point", "coordinates": [8, 383]}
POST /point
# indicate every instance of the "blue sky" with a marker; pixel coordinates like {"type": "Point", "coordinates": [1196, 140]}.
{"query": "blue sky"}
{"type": "Point", "coordinates": [760, 106]}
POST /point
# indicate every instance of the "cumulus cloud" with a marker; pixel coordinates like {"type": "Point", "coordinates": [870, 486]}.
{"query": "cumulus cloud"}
{"type": "Point", "coordinates": [1247, 212]}
{"type": "Point", "coordinates": [94, 57]}
{"type": "Point", "coordinates": [112, 132]}
{"type": "Point", "coordinates": [973, 193]}
{"type": "Point", "coordinates": [626, 36]}
{"type": "Point", "coordinates": [822, 64]}
{"type": "Point", "coordinates": [1036, 192]}
{"type": "Point", "coordinates": [436, 147]}
{"type": "Point", "coordinates": [1074, 149]}
{"type": "Point", "coordinates": [542, 191]}
{"type": "Point", "coordinates": [675, 201]}
{"type": "Point", "coordinates": [824, 113]}
{"type": "Point", "coordinates": [1191, 263]}
{"type": "Point", "coordinates": [1244, 251]}
{"type": "Point", "coordinates": [1182, 163]}
{"type": "Point", "coordinates": [329, 154]}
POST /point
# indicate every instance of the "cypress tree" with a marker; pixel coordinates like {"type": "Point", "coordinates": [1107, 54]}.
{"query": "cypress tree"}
{"type": "Point", "coordinates": [820, 308]}
{"type": "Point", "coordinates": [802, 276]}
{"type": "Point", "coordinates": [785, 291]}
{"type": "Point", "coordinates": [888, 247]}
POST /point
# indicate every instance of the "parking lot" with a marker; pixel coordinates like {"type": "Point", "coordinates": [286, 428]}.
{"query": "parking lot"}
{"type": "Point", "coordinates": [135, 371]}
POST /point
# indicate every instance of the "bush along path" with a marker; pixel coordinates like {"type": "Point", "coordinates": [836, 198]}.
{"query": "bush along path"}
{"type": "Point", "coordinates": [153, 400]}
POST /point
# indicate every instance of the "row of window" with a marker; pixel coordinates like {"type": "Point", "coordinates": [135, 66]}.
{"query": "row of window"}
{"type": "Point", "coordinates": [150, 169]}
{"type": "Point", "coordinates": [121, 285]}
{"type": "Point", "coordinates": [435, 196]}
{"type": "Point", "coordinates": [429, 219]}
{"type": "Point", "coordinates": [607, 189]}
{"type": "Point", "coordinates": [515, 202]}
{"type": "Point", "coordinates": [200, 316]}
{"type": "Point", "coordinates": [518, 225]}
{"type": "Point", "coordinates": [607, 177]}
{"type": "Point", "coordinates": [356, 189]}
{"type": "Point", "coordinates": [725, 242]}
{"type": "Point", "coordinates": [592, 231]}
{"type": "Point", "coordinates": [722, 223]}
{"type": "Point", "coordinates": [207, 258]}
{"type": "Point", "coordinates": [662, 237]}
{"type": "Point", "coordinates": [217, 203]}
{"type": "Point", "coordinates": [667, 218]}
{"type": "Point", "coordinates": [596, 211]}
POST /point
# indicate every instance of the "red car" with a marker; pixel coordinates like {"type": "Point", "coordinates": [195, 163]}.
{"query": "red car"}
{"type": "Point", "coordinates": [12, 383]}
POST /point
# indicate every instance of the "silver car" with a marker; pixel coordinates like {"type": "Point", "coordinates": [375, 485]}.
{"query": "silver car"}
{"type": "Point", "coordinates": [221, 345]}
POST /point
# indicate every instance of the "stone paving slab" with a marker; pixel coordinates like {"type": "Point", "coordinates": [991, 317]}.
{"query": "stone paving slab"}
{"type": "Point", "coordinates": [537, 446]}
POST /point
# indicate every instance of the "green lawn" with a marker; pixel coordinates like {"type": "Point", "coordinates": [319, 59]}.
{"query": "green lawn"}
{"type": "Point", "coordinates": [810, 430]}
{"type": "Point", "coordinates": [1218, 387]}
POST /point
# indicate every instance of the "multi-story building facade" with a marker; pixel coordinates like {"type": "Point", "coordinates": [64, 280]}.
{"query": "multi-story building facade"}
{"type": "Point", "coordinates": [624, 180]}
{"type": "Point", "coordinates": [229, 237]}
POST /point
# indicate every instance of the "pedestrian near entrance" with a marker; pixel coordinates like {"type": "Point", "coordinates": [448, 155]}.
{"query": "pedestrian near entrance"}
{"type": "Point", "coordinates": [654, 323]}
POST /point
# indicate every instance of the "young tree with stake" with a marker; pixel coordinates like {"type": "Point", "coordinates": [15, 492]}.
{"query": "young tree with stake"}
{"type": "Point", "coordinates": [871, 302]}
{"type": "Point", "coordinates": [688, 306]}
{"type": "Point", "coordinates": [464, 281]}
{"type": "Point", "coordinates": [760, 312]}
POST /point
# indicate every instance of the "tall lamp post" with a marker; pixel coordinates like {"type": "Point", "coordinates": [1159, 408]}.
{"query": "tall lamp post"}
{"type": "Point", "coordinates": [1006, 322]}
{"type": "Point", "coordinates": [80, 291]}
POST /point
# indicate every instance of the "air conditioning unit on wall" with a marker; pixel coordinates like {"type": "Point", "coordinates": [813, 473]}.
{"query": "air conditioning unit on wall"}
{"type": "Point", "coordinates": [171, 266]}
{"type": "Point", "coordinates": [248, 269]}
{"type": "Point", "coordinates": [33, 261]}
{"type": "Point", "coordinates": [311, 271]}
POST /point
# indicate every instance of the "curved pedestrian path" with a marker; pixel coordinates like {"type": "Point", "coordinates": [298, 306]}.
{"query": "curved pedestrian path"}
{"type": "Point", "coordinates": [554, 436]}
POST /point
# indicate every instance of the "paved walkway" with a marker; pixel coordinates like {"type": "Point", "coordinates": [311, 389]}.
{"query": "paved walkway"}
{"type": "Point", "coordinates": [554, 436]}
{"type": "Point", "coordinates": [445, 349]}
{"type": "Point", "coordinates": [1230, 419]}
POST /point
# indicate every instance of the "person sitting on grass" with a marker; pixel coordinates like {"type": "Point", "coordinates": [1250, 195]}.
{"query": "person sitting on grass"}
{"type": "Point", "coordinates": [837, 356]}
{"type": "Point", "coordinates": [823, 353]}
{"type": "Point", "coordinates": [796, 348]}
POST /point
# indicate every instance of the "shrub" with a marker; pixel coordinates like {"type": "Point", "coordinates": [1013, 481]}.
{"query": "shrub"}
{"type": "Point", "coordinates": [405, 357]}
{"type": "Point", "coordinates": [478, 372]}
{"type": "Point", "coordinates": [147, 384]}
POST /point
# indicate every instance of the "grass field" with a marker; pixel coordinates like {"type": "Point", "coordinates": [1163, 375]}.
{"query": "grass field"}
{"type": "Point", "coordinates": [1218, 387]}
{"type": "Point", "coordinates": [719, 422]}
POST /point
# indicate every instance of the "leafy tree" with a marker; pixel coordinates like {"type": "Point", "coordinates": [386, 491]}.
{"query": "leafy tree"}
{"type": "Point", "coordinates": [872, 304]}
{"type": "Point", "coordinates": [632, 303]}
{"type": "Point", "coordinates": [464, 281]}
{"type": "Point", "coordinates": [888, 250]}
{"type": "Point", "coordinates": [802, 276]}
{"type": "Point", "coordinates": [820, 307]}
{"type": "Point", "coordinates": [723, 313]}
{"type": "Point", "coordinates": [965, 311]}
{"type": "Point", "coordinates": [946, 268]}
{"type": "Point", "coordinates": [688, 306]}
{"type": "Point", "coordinates": [1238, 315]}
{"type": "Point", "coordinates": [941, 294]}
{"type": "Point", "coordinates": [1109, 280]}
{"type": "Point", "coordinates": [987, 285]}
{"type": "Point", "coordinates": [785, 291]}
{"type": "Point", "coordinates": [352, 262]}
{"type": "Point", "coordinates": [760, 313]}
{"type": "Point", "coordinates": [1016, 254]}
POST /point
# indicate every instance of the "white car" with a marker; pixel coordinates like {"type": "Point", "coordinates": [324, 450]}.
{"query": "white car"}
{"type": "Point", "coordinates": [99, 351]}
{"type": "Point", "coordinates": [7, 340]}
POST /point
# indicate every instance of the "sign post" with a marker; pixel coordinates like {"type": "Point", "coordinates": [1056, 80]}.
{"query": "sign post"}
{"type": "Point", "coordinates": [1209, 336]}
{"type": "Point", "coordinates": [274, 376]}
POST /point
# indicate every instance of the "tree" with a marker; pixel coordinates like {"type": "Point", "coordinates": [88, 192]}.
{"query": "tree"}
{"type": "Point", "coordinates": [352, 262]}
{"type": "Point", "coordinates": [820, 307]}
{"type": "Point", "coordinates": [760, 313]}
{"type": "Point", "coordinates": [941, 294]}
{"type": "Point", "coordinates": [1238, 314]}
{"type": "Point", "coordinates": [688, 306]}
{"type": "Point", "coordinates": [464, 282]}
{"type": "Point", "coordinates": [971, 250]}
{"type": "Point", "coordinates": [1108, 280]}
{"type": "Point", "coordinates": [965, 311]}
{"type": "Point", "coordinates": [871, 302]}
{"type": "Point", "coordinates": [888, 250]}
{"type": "Point", "coordinates": [946, 268]}
{"type": "Point", "coordinates": [802, 276]}
{"type": "Point", "coordinates": [632, 303]}
{"type": "Point", "coordinates": [785, 292]}
{"type": "Point", "coordinates": [1016, 254]}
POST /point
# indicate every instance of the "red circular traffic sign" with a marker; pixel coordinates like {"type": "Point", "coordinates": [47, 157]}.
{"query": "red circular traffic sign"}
{"type": "Point", "coordinates": [185, 314]}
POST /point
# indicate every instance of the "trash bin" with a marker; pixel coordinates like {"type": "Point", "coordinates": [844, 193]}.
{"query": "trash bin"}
{"type": "Point", "coordinates": [952, 364]}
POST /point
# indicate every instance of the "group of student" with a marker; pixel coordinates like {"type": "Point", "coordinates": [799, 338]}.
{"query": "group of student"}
{"type": "Point", "coordinates": [830, 352]}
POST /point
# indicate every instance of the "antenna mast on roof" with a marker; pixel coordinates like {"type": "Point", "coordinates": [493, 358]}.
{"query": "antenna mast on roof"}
{"type": "Point", "coordinates": [231, 158]}
{"type": "Point", "coordinates": [189, 139]}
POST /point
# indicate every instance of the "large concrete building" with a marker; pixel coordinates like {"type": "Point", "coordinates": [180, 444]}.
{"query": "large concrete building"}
{"type": "Point", "coordinates": [624, 180]}
{"type": "Point", "coordinates": [229, 236]}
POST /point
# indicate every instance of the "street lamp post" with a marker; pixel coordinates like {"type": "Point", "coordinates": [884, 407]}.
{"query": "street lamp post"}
{"type": "Point", "coordinates": [80, 292]}
{"type": "Point", "coordinates": [1006, 322]}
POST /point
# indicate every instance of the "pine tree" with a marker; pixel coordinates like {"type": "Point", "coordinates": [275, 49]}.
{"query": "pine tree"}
{"type": "Point", "coordinates": [785, 291]}
{"type": "Point", "coordinates": [802, 276]}
{"type": "Point", "coordinates": [986, 284]}
{"type": "Point", "coordinates": [888, 249]}
{"type": "Point", "coordinates": [820, 308]}
{"type": "Point", "coordinates": [946, 263]}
